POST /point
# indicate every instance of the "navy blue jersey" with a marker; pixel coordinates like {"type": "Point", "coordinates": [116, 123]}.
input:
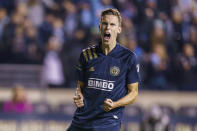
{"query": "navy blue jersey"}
{"type": "Point", "coordinates": [105, 76]}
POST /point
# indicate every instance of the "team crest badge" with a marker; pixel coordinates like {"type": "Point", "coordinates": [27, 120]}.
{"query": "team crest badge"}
{"type": "Point", "coordinates": [114, 71]}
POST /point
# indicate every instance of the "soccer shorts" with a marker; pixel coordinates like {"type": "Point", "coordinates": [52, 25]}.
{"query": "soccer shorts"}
{"type": "Point", "coordinates": [112, 128]}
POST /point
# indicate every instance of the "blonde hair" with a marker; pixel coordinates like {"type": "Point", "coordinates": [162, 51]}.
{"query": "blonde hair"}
{"type": "Point", "coordinates": [114, 12]}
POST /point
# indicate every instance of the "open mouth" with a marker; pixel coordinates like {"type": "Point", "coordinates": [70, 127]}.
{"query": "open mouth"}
{"type": "Point", "coordinates": [107, 36]}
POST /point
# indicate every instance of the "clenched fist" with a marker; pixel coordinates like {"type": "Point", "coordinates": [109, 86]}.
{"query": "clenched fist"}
{"type": "Point", "coordinates": [108, 105]}
{"type": "Point", "coordinates": [78, 99]}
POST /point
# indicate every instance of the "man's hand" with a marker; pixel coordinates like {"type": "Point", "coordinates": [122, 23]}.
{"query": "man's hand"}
{"type": "Point", "coordinates": [108, 105]}
{"type": "Point", "coordinates": [78, 99]}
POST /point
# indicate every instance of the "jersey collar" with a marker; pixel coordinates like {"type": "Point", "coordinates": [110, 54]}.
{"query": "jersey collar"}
{"type": "Point", "coordinates": [113, 51]}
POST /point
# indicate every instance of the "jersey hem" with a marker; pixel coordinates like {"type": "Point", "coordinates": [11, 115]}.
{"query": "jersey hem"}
{"type": "Point", "coordinates": [88, 127]}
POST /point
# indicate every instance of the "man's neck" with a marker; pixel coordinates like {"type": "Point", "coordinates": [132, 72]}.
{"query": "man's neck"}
{"type": "Point", "coordinates": [108, 48]}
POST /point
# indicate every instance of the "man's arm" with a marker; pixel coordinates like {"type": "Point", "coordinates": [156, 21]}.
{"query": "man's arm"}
{"type": "Point", "coordinates": [126, 100]}
{"type": "Point", "coordinates": [80, 85]}
{"type": "Point", "coordinates": [78, 98]}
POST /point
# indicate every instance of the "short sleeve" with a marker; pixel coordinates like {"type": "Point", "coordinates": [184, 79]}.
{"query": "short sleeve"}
{"type": "Point", "coordinates": [80, 68]}
{"type": "Point", "coordinates": [133, 70]}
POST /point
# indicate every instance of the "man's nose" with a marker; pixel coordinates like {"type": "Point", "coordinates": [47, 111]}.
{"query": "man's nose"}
{"type": "Point", "coordinates": [108, 26]}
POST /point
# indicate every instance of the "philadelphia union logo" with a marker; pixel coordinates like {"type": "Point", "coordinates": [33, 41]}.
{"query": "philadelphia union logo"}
{"type": "Point", "coordinates": [114, 71]}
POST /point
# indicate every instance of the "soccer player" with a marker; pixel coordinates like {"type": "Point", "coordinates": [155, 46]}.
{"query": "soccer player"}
{"type": "Point", "coordinates": [108, 80]}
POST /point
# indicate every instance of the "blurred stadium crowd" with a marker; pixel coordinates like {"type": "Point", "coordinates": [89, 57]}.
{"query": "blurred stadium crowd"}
{"type": "Point", "coordinates": [52, 33]}
{"type": "Point", "coordinates": [163, 34]}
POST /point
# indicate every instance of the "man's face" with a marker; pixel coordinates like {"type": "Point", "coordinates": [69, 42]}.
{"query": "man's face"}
{"type": "Point", "coordinates": [109, 28]}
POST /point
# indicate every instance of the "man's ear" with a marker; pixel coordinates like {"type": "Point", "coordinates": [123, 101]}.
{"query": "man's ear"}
{"type": "Point", "coordinates": [119, 29]}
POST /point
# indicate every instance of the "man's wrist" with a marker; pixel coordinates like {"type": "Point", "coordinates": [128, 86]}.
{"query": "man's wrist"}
{"type": "Point", "coordinates": [115, 104]}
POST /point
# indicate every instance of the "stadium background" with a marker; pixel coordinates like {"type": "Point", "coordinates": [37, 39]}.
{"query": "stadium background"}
{"type": "Point", "coordinates": [40, 42]}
